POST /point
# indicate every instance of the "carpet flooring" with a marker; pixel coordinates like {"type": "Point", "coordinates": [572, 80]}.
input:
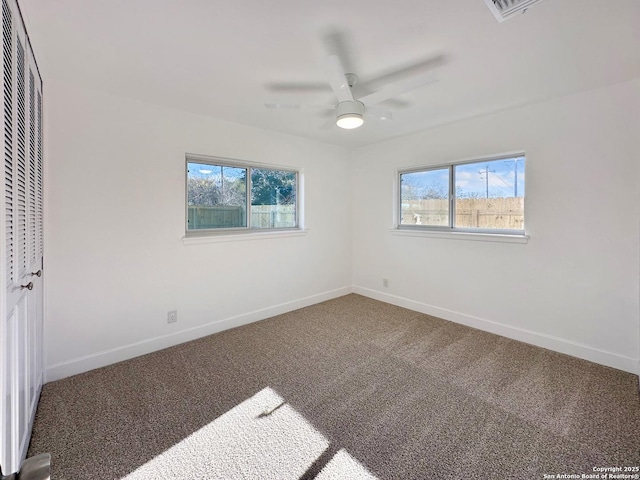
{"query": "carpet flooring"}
{"type": "Point", "coordinates": [346, 389]}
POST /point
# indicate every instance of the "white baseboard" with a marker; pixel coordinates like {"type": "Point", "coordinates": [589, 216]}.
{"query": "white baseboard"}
{"type": "Point", "coordinates": [108, 357]}
{"type": "Point", "coordinates": [602, 357]}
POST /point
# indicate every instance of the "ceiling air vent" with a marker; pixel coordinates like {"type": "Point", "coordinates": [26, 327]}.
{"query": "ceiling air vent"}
{"type": "Point", "coordinates": [504, 9]}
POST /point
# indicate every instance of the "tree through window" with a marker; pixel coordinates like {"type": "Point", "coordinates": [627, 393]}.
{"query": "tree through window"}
{"type": "Point", "coordinates": [237, 196]}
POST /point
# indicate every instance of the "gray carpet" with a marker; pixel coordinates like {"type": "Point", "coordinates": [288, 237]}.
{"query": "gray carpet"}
{"type": "Point", "coordinates": [349, 388]}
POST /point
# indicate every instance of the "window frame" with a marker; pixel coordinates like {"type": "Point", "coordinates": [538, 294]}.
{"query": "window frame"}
{"type": "Point", "coordinates": [451, 228]}
{"type": "Point", "coordinates": [244, 230]}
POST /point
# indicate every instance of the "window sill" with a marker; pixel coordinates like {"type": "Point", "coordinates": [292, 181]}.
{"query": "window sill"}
{"type": "Point", "coordinates": [479, 237]}
{"type": "Point", "coordinates": [197, 239]}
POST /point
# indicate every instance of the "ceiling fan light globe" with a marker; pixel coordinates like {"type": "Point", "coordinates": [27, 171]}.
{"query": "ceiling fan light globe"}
{"type": "Point", "coordinates": [349, 121]}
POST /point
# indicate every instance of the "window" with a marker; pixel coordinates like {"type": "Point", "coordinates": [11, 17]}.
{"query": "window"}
{"type": "Point", "coordinates": [480, 196]}
{"type": "Point", "coordinates": [229, 195]}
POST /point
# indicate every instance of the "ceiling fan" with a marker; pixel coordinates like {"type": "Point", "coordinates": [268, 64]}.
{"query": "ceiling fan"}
{"type": "Point", "coordinates": [350, 111]}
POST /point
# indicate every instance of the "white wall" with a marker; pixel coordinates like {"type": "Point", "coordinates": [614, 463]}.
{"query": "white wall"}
{"type": "Point", "coordinates": [115, 262]}
{"type": "Point", "coordinates": [574, 286]}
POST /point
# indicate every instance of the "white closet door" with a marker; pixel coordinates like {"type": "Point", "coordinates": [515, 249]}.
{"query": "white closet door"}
{"type": "Point", "coordinates": [21, 306]}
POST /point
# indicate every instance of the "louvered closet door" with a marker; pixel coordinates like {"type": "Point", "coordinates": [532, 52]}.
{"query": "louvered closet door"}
{"type": "Point", "coordinates": [22, 236]}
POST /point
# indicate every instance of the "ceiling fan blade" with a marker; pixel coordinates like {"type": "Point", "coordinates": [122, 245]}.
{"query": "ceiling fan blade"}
{"type": "Point", "coordinates": [412, 70]}
{"type": "Point", "coordinates": [360, 90]}
{"type": "Point", "coordinates": [377, 113]}
{"type": "Point", "coordinates": [296, 87]}
{"type": "Point", "coordinates": [294, 106]}
{"type": "Point", "coordinates": [337, 78]}
{"type": "Point", "coordinates": [398, 88]}
{"type": "Point", "coordinates": [328, 124]}
{"type": "Point", "coordinates": [338, 42]}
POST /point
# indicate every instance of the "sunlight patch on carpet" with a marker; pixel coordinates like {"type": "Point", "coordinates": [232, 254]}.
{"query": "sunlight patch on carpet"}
{"type": "Point", "coordinates": [343, 466]}
{"type": "Point", "coordinates": [262, 437]}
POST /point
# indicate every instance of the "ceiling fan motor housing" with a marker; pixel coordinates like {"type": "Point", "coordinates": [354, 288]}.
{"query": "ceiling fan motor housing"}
{"type": "Point", "coordinates": [349, 114]}
{"type": "Point", "coordinates": [349, 108]}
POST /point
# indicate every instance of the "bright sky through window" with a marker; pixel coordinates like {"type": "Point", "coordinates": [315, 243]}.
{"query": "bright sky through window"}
{"type": "Point", "coordinates": [481, 196]}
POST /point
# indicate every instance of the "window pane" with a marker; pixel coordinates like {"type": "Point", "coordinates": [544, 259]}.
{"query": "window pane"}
{"type": "Point", "coordinates": [490, 195]}
{"type": "Point", "coordinates": [424, 198]}
{"type": "Point", "coordinates": [273, 198]}
{"type": "Point", "coordinates": [216, 196]}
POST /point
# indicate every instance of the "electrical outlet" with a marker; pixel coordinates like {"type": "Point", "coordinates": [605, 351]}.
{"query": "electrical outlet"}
{"type": "Point", "coordinates": [172, 316]}
{"type": "Point", "coordinates": [385, 282]}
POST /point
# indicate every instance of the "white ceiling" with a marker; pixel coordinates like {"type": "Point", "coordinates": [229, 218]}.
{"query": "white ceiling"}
{"type": "Point", "coordinates": [218, 58]}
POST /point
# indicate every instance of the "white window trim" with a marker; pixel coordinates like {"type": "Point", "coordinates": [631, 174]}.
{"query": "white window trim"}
{"type": "Point", "coordinates": [195, 237]}
{"type": "Point", "coordinates": [461, 235]}
{"type": "Point", "coordinates": [484, 235]}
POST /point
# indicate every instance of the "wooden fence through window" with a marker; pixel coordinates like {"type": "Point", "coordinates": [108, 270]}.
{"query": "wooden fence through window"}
{"type": "Point", "coordinates": [491, 213]}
